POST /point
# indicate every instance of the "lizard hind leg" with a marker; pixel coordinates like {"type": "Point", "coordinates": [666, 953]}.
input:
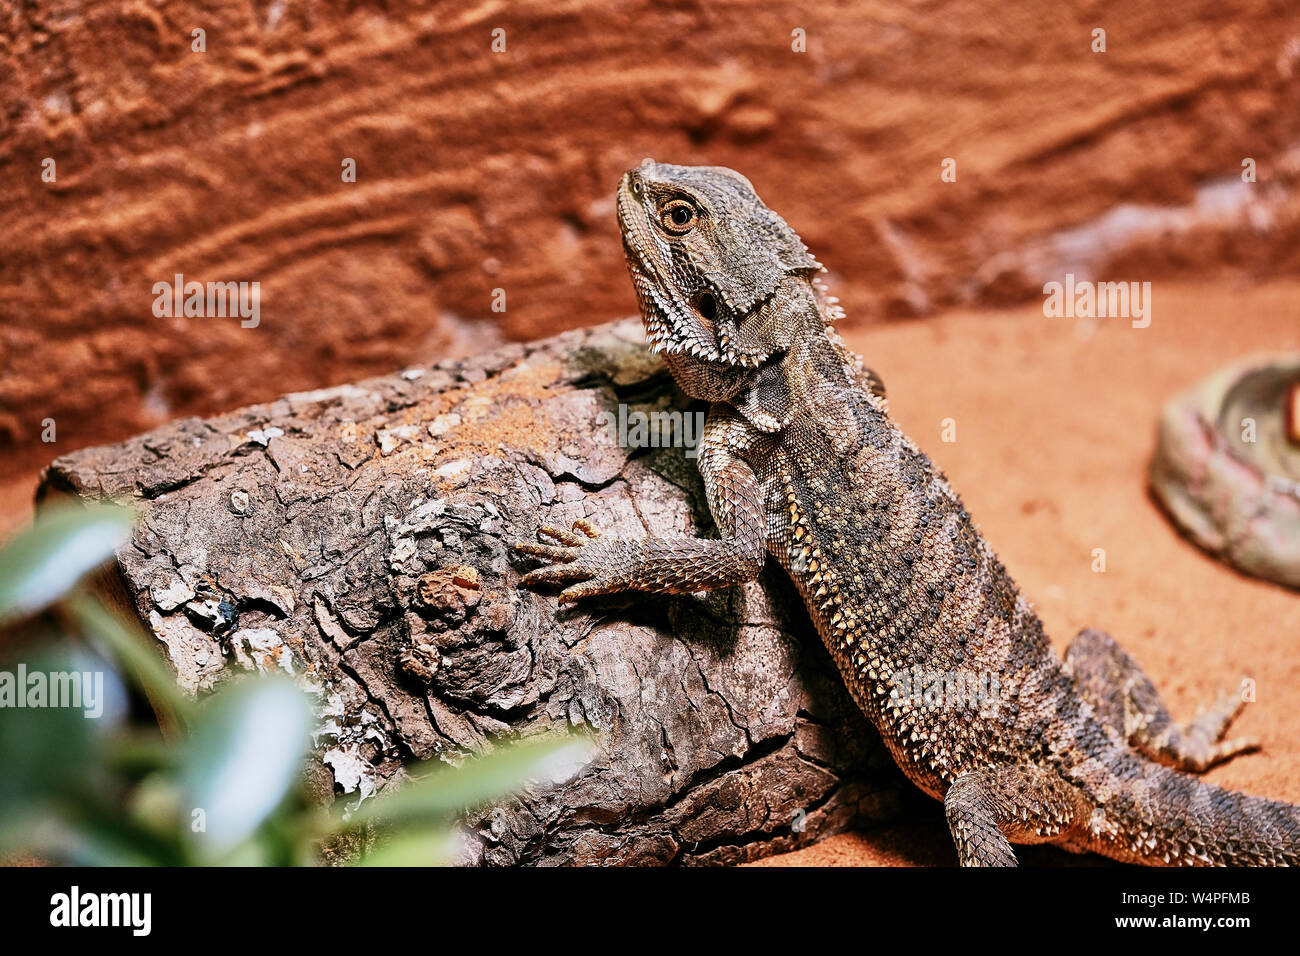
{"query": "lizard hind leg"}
{"type": "Point", "coordinates": [990, 809]}
{"type": "Point", "coordinates": [1124, 699]}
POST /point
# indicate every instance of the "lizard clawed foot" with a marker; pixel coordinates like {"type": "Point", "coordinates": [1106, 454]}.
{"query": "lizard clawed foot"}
{"type": "Point", "coordinates": [1202, 737]}
{"type": "Point", "coordinates": [599, 564]}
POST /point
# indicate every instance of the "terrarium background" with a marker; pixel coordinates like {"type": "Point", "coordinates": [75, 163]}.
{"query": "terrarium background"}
{"type": "Point", "coordinates": [479, 171]}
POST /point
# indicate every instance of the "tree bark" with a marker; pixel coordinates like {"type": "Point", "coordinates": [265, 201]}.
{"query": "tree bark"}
{"type": "Point", "coordinates": [356, 536]}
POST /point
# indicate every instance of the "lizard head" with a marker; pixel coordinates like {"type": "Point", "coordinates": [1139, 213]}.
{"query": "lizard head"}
{"type": "Point", "coordinates": [706, 257]}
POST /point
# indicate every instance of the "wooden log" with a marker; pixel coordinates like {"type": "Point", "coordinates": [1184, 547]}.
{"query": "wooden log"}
{"type": "Point", "coordinates": [356, 536]}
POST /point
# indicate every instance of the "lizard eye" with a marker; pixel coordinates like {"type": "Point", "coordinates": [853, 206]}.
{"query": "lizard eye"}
{"type": "Point", "coordinates": [677, 216]}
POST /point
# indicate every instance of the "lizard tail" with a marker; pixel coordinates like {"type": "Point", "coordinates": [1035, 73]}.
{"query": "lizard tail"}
{"type": "Point", "coordinates": [1169, 818]}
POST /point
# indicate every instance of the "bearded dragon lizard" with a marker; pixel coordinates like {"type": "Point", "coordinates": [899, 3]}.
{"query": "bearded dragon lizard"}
{"type": "Point", "coordinates": [801, 461]}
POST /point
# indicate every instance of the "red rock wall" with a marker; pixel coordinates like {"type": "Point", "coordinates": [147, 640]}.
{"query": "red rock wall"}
{"type": "Point", "coordinates": [479, 170]}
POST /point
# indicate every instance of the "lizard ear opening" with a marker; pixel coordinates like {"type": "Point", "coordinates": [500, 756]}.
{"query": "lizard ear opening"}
{"type": "Point", "coordinates": [707, 306]}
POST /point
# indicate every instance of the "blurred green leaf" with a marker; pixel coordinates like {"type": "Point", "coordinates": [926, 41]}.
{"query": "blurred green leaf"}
{"type": "Point", "coordinates": [131, 648]}
{"type": "Point", "coordinates": [40, 565]}
{"type": "Point", "coordinates": [88, 833]}
{"type": "Point", "coordinates": [416, 846]}
{"type": "Point", "coordinates": [139, 751]}
{"type": "Point", "coordinates": [46, 753]}
{"type": "Point", "coordinates": [155, 806]}
{"type": "Point", "coordinates": [449, 791]}
{"type": "Point", "coordinates": [244, 755]}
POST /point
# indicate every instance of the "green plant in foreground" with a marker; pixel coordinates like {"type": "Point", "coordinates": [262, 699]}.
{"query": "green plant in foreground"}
{"type": "Point", "coordinates": [226, 786]}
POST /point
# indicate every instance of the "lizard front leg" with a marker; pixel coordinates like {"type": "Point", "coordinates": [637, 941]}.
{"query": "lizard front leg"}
{"type": "Point", "coordinates": [676, 565]}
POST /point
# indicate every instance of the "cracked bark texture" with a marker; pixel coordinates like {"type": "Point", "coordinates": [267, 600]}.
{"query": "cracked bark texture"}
{"type": "Point", "coordinates": [357, 536]}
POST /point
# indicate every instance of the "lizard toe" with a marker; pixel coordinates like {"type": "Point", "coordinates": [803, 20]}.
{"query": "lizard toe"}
{"type": "Point", "coordinates": [587, 528]}
{"type": "Point", "coordinates": [589, 589]}
{"type": "Point", "coordinates": [556, 572]}
{"type": "Point", "coordinates": [563, 536]}
{"type": "Point", "coordinates": [548, 551]}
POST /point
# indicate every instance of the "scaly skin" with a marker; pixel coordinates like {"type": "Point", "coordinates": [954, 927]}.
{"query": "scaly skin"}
{"type": "Point", "coordinates": [936, 644]}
